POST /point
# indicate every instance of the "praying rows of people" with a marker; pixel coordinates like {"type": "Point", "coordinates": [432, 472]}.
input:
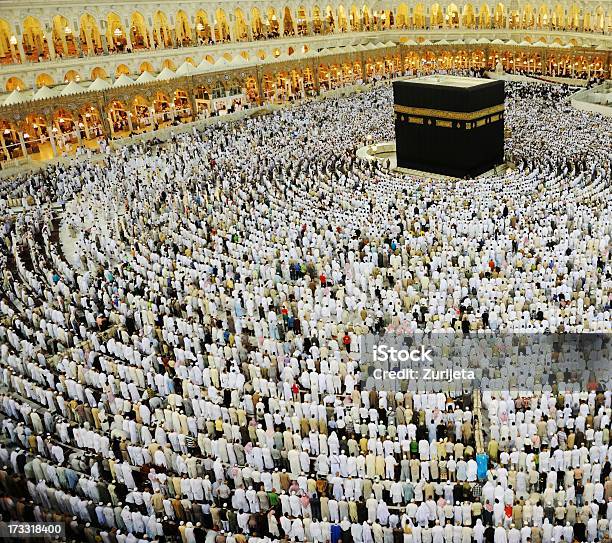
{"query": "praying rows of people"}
{"type": "Point", "coordinates": [182, 350]}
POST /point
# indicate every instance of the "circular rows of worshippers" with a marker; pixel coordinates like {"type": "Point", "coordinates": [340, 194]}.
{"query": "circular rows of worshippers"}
{"type": "Point", "coordinates": [182, 321]}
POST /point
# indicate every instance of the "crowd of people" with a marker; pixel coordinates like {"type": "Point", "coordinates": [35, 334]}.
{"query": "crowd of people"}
{"type": "Point", "coordinates": [182, 345]}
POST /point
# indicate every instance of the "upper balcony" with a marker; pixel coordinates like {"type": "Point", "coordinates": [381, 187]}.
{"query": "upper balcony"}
{"type": "Point", "coordinates": [47, 34]}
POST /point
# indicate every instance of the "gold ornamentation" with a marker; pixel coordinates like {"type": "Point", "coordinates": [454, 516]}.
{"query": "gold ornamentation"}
{"type": "Point", "coordinates": [453, 115]}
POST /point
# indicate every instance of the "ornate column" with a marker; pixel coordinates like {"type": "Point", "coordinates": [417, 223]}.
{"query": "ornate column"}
{"type": "Point", "coordinates": [64, 43]}
{"type": "Point", "coordinates": [128, 36]}
{"type": "Point", "coordinates": [192, 101]}
{"type": "Point", "coordinates": [85, 127]}
{"type": "Point", "coordinates": [110, 42]}
{"type": "Point", "coordinates": [163, 36]}
{"type": "Point", "coordinates": [104, 43]}
{"type": "Point", "coordinates": [50, 44]}
{"type": "Point", "coordinates": [76, 37]}
{"type": "Point", "coordinates": [24, 149]}
{"type": "Point", "coordinates": [231, 26]}
{"type": "Point", "coordinates": [75, 119]}
{"type": "Point", "coordinates": [22, 55]}
{"type": "Point", "coordinates": [151, 38]}
{"type": "Point", "coordinates": [49, 126]}
{"type": "Point", "coordinates": [259, 78]}
{"type": "Point", "coordinates": [315, 75]}
{"type": "Point", "coordinates": [364, 75]}
{"type": "Point", "coordinates": [111, 130]}
{"type": "Point", "coordinates": [152, 112]}
{"type": "Point", "coordinates": [104, 115]}
{"type": "Point", "coordinates": [14, 52]}
{"type": "Point", "coordinates": [89, 43]}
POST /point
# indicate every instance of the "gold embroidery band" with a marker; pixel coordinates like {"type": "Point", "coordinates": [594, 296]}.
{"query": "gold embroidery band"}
{"type": "Point", "coordinates": [453, 115]}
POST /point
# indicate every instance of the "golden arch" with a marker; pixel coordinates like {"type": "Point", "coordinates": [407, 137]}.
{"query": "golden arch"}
{"type": "Point", "coordinates": [241, 29]}
{"type": "Point", "coordinates": [183, 28]}
{"type": "Point", "coordinates": [138, 31]}
{"type": "Point", "coordinates": [573, 18]}
{"type": "Point", "coordinates": [44, 80]}
{"type": "Point", "coordinates": [141, 111]}
{"type": "Point", "coordinates": [14, 83]}
{"type": "Point", "coordinates": [34, 43]}
{"type": "Point", "coordinates": [558, 17]}
{"type": "Point", "coordinates": [452, 16]}
{"type": "Point", "coordinates": [342, 19]}
{"type": "Point", "coordinates": [515, 19]}
{"type": "Point", "coordinates": [365, 18]}
{"type": "Point", "coordinates": [419, 16]}
{"type": "Point", "coordinates": [122, 69]}
{"type": "Point", "coordinates": [587, 21]}
{"type": "Point", "coordinates": [146, 67]}
{"type": "Point", "coordinates": [91, 41]}
{"type": "Point", "coordinates": [288, 29]}
{"type": "Point", "coordinates": [257, 26]}
{"type": "Point", "coordinates": [330, 19]}
{"type": "Point", "coordinates": [115, 32]}
{"type": "Point", "coordinates": [72, 75]}
{"type": "Point", "coordinates": [436, 17]}
{"type": "Point", "coordinates": [161, 30]}
{"type": "Point", "coordinates": [98, 72]}
{"type": "Point", "coordinates": [600, 20]}
{"type": "Point", "coordinates": [499, 17]}
{"type": "Point", "coordinates": [402, 16]}
{"type": "Point", "coordinates": [203, 29]}
{"type": "Point", "coordinates": [222, 32]}
{"type": "Point", "coordinates": [468, 18]}
{"type": "Point", "coordinates": [168, 64]}
{"type": "Point", "coordinates": [120, 122]}
{"type": "Point", "coordinates": [63, 36]}
{"type": "Point", "coordinates": [317, 22]}
{"type": "Point", "coordinates": [355, 19]}
{"type": "Point", "coordinates": [272, 24]}
{"type": "Point", "coordinates": [302, 21]}
{"type": "Point", "coordinates": [528, 16]}
{"type": "Point", "coordinates": [543, 16]}
{"type": "Point", "coordinates": [484, 16]}
{"type": "Point", "coordinates": [7, 49]}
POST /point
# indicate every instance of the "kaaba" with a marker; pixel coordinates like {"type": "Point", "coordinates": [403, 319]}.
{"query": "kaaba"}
{"type": "Point", "coordinates": [449, 125]}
